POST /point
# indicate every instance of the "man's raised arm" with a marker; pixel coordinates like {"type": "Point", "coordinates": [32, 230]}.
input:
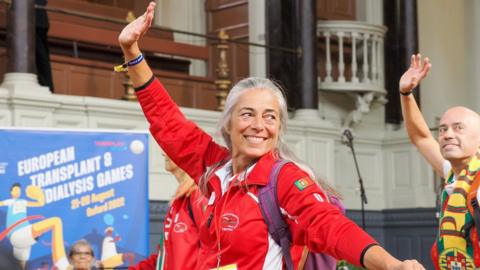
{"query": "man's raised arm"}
{"type": "Point", "coordinates": [417, 128]}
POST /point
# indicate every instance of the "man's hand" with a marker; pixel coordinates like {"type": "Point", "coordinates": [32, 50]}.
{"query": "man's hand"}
{"type": "Point", "coordinates": [409, 265]}
{"type": "Point", "coordinates": [134, 30]}
{"type": "Point", "coordinates": [415, 74]}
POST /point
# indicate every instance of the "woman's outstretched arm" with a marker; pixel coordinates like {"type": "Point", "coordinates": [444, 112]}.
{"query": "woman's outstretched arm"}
{"type": "Point", "coordinates": [128, 39]}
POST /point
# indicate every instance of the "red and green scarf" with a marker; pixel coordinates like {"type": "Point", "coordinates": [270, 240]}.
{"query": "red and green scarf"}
{"type": "Point", "coordinates": [456, 246]}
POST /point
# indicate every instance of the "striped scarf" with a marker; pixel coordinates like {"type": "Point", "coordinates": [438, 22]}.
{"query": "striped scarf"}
{"type": "Point", "coordinates": [454, 250]}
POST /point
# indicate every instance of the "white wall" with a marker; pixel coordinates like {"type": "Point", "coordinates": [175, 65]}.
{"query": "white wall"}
{"type": "Point", "coordinates": [443, 37]}
{"type": "Point", "coordinates": [472, 23]}
{"type": "Point", "coordinates": [185, 15]}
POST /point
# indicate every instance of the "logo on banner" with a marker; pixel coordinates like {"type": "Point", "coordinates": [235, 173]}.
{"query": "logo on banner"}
{"type": "Point", "coordinates": [137, 147]}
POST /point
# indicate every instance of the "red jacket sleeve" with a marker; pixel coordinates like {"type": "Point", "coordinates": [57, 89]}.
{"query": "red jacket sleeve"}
{"type": "Point", "coordinates": [149, 263]}
{"type": "Point", "coordinates": [315, 222]}
{"type": "Point", "coordinates": [183, 141]}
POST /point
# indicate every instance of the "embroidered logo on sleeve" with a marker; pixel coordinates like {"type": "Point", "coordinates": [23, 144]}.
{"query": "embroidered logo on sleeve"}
{"type": "Point", "coordinates": [303, 183]}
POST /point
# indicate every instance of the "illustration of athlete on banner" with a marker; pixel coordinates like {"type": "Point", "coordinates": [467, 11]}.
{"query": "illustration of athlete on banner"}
{"type": "Point", "coordinates": [57, 187]}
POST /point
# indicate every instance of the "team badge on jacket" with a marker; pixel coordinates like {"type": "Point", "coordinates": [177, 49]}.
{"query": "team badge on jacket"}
{"type": "Point", "coordinates": [303, 183]}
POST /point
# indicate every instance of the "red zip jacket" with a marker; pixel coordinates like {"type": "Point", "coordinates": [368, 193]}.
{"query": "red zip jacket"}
{"type": "Point", "coordinates": [149, 263]}
{"type": "Point", "coordinates": [181, 240]}
{"type": "Point", "coordinates": [234, 234]}
{"type": "Point", "coordinates": [181, 245]}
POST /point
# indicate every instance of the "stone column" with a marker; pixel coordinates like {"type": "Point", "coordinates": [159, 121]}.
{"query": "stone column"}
{"type": "Point", "coordinates": [22, 23]}
{"type": "Point", "coordinates": [281, 31]}
{"type": "Point", "coordinates": [20, 81]}
{"type": "Point", "coordinates": [21, 37]}
{"type": "Point", "coordinates": [401, 41]}
{"type": "Point", "coordinates": [292, 24]}
{"type": "Point", "coordinates": [308, 92]}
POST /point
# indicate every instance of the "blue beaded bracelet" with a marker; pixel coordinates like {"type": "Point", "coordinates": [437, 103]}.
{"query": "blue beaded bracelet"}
{"type": "Point", "coordinates": [124, 67]}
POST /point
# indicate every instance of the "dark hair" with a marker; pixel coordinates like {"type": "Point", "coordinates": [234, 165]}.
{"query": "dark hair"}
{"type": "Point", "coordinates": [15, 185]}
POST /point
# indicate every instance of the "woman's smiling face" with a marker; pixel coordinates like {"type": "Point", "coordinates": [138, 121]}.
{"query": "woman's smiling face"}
{"type": "Point", "coordinates": [255, 124]}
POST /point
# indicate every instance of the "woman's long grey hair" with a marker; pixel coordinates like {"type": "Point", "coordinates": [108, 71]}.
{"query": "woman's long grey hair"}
{"type": "Point", "coordinates": [282, 149]}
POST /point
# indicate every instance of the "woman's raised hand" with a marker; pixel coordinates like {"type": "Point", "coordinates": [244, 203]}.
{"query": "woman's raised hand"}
{"type": "Point", "coordinates": [134, 30]}
{"type": "Point", "coordinates": [417, 71]}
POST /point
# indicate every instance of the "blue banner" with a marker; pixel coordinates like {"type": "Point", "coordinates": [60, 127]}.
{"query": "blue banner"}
{"type": "Point", "coordinates": [57, 187]}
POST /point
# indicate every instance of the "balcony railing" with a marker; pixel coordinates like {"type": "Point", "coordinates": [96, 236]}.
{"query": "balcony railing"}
{"type": "Point", "coordinates": [351, 60]}
{"type": "Point", "coordinates": [351, 56]}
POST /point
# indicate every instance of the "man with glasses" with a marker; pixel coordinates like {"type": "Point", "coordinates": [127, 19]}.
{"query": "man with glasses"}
{"type": "Point", "coordinates": [456, 158]}
{"type": "Point", "coordinates": [82, 257]}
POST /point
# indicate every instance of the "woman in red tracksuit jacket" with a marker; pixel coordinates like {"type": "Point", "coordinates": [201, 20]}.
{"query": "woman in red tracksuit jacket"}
{"type": "Point", "coordinates": [181, 244]}
{"type": "Point", "coordinates": [233, 233]}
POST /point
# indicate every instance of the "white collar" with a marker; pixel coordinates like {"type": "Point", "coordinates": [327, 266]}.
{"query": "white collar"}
{"type": "Point", "coordinates": [225, 175]}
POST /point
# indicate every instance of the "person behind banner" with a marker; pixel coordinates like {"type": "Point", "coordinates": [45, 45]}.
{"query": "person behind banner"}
{"type": "Point", "coordinates": [181, 244]}
{"type": "Point", "coordinates": [82, 257]}
{"type": "Point", "coordinates": [456, 158]}
{"type": "Point", "coordinates": [234, 234]}
{"type": "Point", "coordinates": [23, 230]}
